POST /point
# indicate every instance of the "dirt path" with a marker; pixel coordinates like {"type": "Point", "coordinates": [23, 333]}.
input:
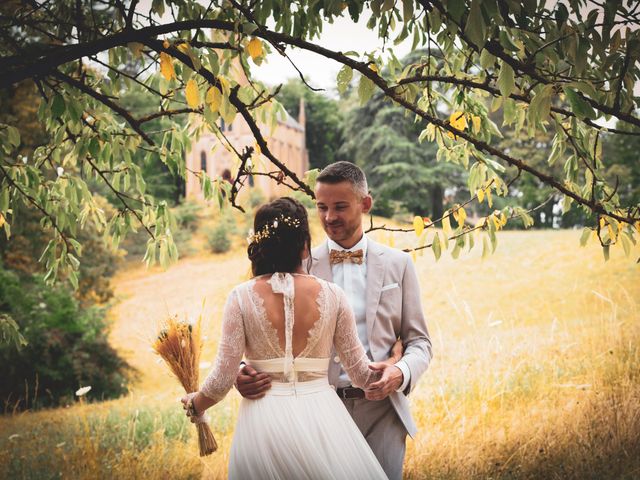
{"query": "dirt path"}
{"type": "Point", "coordinates": [145, 297]}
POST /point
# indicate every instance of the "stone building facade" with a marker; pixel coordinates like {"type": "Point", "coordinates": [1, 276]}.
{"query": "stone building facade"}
{"type": "Point", "coordinates": [286, 142]}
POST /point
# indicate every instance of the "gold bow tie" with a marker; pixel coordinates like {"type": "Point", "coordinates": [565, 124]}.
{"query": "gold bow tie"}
{"type": "Point", "coordinates": [339, 256]}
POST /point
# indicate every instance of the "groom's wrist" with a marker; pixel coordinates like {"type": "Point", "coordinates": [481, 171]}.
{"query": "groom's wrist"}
{"type": "Point", "coordinates": [406, 375]}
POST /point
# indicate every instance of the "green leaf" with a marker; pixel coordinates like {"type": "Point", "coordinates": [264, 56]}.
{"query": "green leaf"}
{"type": "Point", "coordinates": [506, 80]}
{"type": "Point", "coordinates": [540, 106]}
{"type": "Point", "coordinates": [475, 29]}
{"type": "Point", "coordinates": [579, 106]}
{"type": "Point", "coordinates": [487, 60]}
{"type": "Point", "coordinates": [57, 106]}
{"type": "Point", "coordinates": [407, 10]}
{"type": "Point", "coordinates": [13, 135]}
{"type": "Point", "coordinates": [436, 247]}
{"type": "Point", "coordinates": [344, 78]}
{"type": "Point", "coordinates": [249, 28]}
{"type": "Point", "coordinates": [626, 244]}
{"type": "Point", "coordinates": [456, 9]}
{"type": "Point", "coordinates": [485, 248]}
{"type": "Point", "coordinates": [365, 89]}
{"type": "Point", "coordinates": [584, 238]}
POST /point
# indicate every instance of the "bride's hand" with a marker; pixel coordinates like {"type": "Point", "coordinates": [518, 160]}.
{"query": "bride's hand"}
{"type": "Point", "coordinates": [389, 382]}
{"type": "Point", "coordinates": [187, 404]}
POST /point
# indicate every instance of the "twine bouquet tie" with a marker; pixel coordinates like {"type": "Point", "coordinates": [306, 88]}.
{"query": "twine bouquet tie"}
{"type": "Point", "coordinates": [179, 344]}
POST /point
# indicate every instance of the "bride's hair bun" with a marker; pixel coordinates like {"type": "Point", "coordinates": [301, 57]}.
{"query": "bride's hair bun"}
{"type": "Point", "coordinates": [281, 234]}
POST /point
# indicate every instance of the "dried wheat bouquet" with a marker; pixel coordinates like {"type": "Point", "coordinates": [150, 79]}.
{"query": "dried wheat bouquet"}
{"type": "Point", "coordinates": [179, 344]}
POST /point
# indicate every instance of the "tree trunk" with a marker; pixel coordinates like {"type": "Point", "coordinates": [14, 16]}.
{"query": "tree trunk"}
{"type": "Point", "coordinates": [437, 193]}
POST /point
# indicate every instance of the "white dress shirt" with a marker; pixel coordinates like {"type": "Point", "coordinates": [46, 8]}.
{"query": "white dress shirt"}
{"type": "Point", "coordinates": [352, 278]}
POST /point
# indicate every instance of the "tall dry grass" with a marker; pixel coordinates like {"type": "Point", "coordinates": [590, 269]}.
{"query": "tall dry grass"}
{"type": "Point", "coordinates": [536, 373]}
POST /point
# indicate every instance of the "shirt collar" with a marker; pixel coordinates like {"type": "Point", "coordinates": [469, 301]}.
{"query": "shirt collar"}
{"type": "Point", "coordinates": [361, 245]}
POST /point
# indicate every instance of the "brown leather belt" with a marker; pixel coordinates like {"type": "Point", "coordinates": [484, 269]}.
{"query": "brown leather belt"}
{"type": "Point", "coordinates": [350, 393]}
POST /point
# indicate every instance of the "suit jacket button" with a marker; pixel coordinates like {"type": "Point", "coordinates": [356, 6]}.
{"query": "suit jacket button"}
{"type": "Point", "coordinates": [336, 359]}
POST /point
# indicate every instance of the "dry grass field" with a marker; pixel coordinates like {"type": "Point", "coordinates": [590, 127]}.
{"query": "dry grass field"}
{"type": "Point", "coordinates": [536, 372]}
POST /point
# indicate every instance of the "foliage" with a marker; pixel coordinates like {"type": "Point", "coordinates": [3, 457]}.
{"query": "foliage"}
{"type": "Point", "coordinates": [402, 173]}
{"type": "Point", "coordinates": [66, 346]}
{"type": "Point", "coordinates": [324, 122]}
{"type": "Point", "coordinates": [218, 238]}
{"type": "Point", "coordinates": [557, 67]}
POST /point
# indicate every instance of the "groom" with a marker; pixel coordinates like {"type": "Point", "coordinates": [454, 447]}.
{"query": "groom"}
{"type": "Point", "coordinates": [382, 288]}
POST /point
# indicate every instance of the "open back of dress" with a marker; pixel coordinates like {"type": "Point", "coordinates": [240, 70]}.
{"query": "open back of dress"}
{"type": "Point", "coordinates": [261, 322]}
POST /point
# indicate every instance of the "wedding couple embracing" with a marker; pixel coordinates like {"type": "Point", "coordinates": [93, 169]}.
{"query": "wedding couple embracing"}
{"type": "Point", "coordinates": [334, 339]}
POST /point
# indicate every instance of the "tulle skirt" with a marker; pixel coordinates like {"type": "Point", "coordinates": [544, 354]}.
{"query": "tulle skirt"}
{"type": "Point", "coordinates": [299, 431]}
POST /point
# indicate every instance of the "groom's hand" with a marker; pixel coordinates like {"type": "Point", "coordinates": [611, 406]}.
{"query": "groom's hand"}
{"type": "Point", "coordinates": [251, 384]}
{"type": "Point", "coordinates": [389, 382]}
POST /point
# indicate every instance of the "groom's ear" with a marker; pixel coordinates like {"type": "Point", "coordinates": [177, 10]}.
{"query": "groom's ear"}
{"type": "Point", "coordinates": [367, 203]}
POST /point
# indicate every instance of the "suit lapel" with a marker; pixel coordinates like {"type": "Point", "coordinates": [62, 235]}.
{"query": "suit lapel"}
{"type": "Point", "coordinates": [375, 277]}
{"type": "Point", "coordinates": [320, 266]}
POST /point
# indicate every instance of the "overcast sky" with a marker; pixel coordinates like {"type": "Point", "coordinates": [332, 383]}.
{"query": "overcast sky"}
{"type": "Point", "coordinates": [342, 35]}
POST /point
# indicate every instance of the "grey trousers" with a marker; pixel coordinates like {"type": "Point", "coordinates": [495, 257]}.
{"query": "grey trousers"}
{"type": "Point", "coordinates": [383, 430]}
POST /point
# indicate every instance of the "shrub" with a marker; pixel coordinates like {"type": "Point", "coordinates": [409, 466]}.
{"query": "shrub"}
{"type": "Point", "coordinates": [187, 215]}
{"type": "Point", "coordinates": [67, 347]}
{"type": "Point", "coordinates": [218, 238]}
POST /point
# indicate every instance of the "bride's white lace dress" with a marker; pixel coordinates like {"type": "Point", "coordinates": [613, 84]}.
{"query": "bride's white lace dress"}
{"type": "Point", "coordinates": [300, 429]}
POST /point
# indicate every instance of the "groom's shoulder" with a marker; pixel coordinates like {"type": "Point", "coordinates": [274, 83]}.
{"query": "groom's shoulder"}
{"type": "Point", "coordinates": [392, 255]}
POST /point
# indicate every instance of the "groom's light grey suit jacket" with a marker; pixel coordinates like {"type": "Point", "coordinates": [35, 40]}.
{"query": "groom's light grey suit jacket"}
{"type": "Point", "coordinates": [393, 310]}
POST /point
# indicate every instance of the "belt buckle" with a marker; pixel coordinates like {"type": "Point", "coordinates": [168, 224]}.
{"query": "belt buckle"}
{"type": "Point", "coordinates": [350, 393]}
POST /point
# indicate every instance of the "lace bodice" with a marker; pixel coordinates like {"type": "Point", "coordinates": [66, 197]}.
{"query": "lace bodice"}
{"type": "Point", "coordinates": [264, 320]}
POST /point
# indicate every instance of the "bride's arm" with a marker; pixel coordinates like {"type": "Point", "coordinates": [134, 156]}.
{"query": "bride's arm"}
{"type": "Point", "coordinates": [348, 346]}
{"type": "Point", "coordinates": [230, 352]}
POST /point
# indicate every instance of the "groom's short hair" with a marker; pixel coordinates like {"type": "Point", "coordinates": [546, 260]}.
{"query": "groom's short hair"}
{"type": "Point", "coordinates": [345, 172]}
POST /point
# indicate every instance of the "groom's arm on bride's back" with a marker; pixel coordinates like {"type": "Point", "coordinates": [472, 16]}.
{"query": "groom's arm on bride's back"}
{"type": "Point", "coordinates": [250, 383]}
{"type": "Point", "coordinates": [413, 328]}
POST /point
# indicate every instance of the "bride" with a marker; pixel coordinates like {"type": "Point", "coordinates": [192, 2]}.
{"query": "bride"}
{"type": "Point", "coordinates": [286, 322]}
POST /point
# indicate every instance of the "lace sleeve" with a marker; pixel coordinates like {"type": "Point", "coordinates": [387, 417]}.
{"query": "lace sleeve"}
{"type": "Point", "coordinates": [230, 351]}
{"type": "Point", "coordinates": [352, 355]}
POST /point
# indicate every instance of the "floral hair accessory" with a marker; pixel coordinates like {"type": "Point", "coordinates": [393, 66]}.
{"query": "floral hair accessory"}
{"type": "Point", "coordinates": [270, 228]}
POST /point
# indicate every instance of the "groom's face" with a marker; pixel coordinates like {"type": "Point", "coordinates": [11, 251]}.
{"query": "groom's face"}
{"type": "Point", "coordinates": [340, 209]}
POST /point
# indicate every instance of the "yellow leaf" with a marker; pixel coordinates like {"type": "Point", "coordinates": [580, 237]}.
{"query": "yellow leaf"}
{"type": "Point", "coordinates": [462, 216]}
{"type": "Point", "coordinates": [477, 121]}
{"type": "Point", "coordinates": [214, 99]}
{"type": "Point", "coordinates": [418, 225]}
{"type": "Point", "coordinates": [183, 47]}
{"type": "Point", "coordinates": [496, 221]}
{"type": "Point", "coordinates": [480, 194]}
{"type": "Point", "coordinates": [413, 256]}
{"type": "Point", "coordinates": [503, 219]}
{"type": "Point", "coordinates": [374, 67]}
{"type": "Point", "coordinates": [166, 66]}
{"type": "Point", "coordinates": [192, 93]}
{"type": "Point", "coordinates": [254, 48]}
{"type": "Point", "coordinates": [446, 225]}
{"type": "Point", "coordinates": [257, 149]}
{"type": "Point", "coordinates": [224, 83]}
{"type": "Point", "coordinates": [455, 213]}
{"type": "Point", "coordinates": [612, 236]}
{"type": "Point", "coordinates": [489, 200]}
{"type": "Point", "coordinates": [165, 44]}
{"type": "Point", "coordinates": [2, 220]}
{"type": "Point", "coordinates": [638, 226]}
{"type": "Point", "coordinates": [602, 222]}
{"type": "Point", "coordinates": [457, 120]}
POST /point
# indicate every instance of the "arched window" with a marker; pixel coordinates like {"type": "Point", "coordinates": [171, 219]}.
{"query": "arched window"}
{"type": "Point", "coordinates": [203, 161]}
